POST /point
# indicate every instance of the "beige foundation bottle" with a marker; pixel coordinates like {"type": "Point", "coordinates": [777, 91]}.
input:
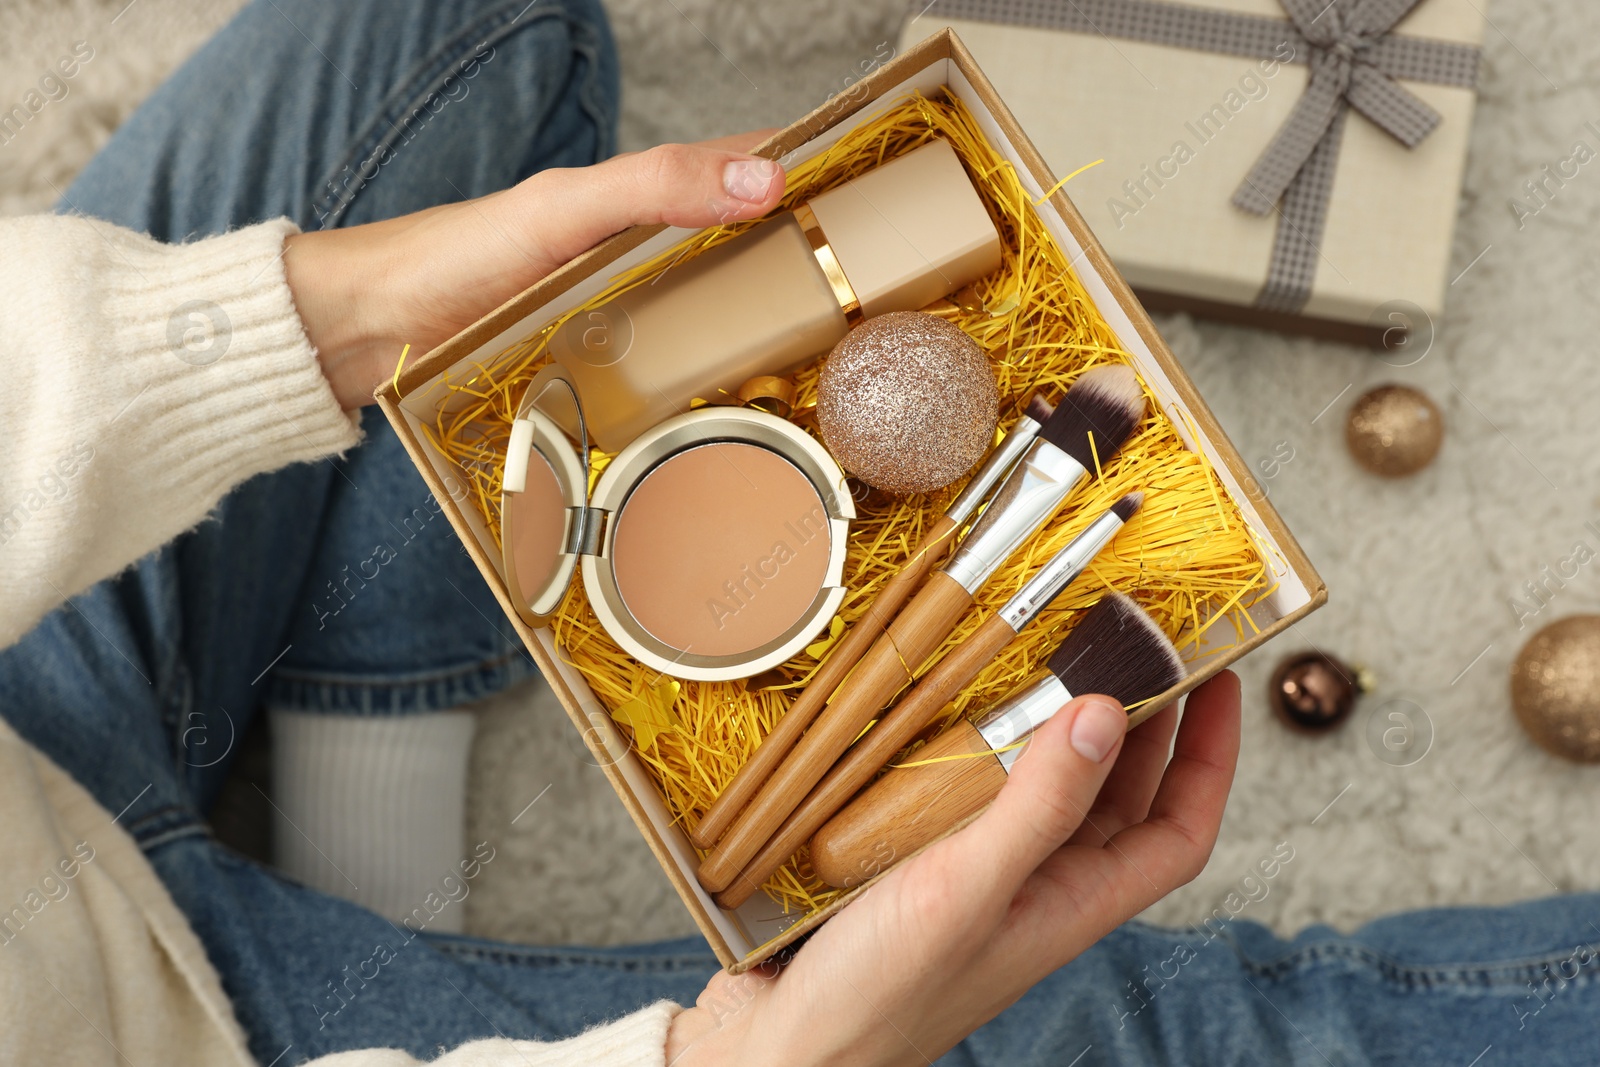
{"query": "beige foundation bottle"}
{"type": "Point", "coordinates": [895, 239]}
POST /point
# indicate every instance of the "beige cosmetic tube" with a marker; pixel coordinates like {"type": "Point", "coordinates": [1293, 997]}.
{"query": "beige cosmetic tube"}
{"type": "Point", "coordinates": [895, 239]}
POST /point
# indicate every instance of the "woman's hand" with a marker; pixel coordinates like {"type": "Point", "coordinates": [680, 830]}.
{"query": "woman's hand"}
{"type": "Point", "coordinates": [367, 291]}
{"type": "Point", "coordinates": [1069, 850]}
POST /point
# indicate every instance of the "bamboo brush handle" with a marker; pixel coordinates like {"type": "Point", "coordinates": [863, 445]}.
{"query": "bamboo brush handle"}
{"type": "Point", "coordinates": [893, 732]}
{"type": "Point", "coordinates": [908, 807]}
{"type": "Point", "coordinates": [913, 636]}
{"type": "Point", "coordinates": [895, 592]}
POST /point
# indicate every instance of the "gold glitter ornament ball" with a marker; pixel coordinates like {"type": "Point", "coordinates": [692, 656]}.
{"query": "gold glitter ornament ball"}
{"type": "Point", "coordinates": [1555, 688]}
{"type": "Point", "coordinates": [1394, 430]}
{"type": "Point", "coordinates": [907, 402]}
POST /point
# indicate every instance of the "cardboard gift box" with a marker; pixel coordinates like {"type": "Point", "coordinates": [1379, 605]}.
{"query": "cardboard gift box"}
{"type": "Point", "coordinates": [941, 64]}
{"type": "Point", "coordinates": [1296, 174]}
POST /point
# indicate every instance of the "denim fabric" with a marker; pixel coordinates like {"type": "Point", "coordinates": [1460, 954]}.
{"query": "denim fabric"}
{"type": "Point", "coordinates": [1466, 987]}
{"type": "Point", "coordinates": [340, 113]}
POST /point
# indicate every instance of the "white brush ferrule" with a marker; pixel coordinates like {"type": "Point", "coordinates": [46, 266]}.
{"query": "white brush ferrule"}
{"type": "Point", "coordinates": [1062, 570]}
{"type": "Point", "coordinates": [1034, 491]}
{"type": "Point", "coordinates": [1001, 459]}
{"type": "Point", "coordinates": [1020, 714]}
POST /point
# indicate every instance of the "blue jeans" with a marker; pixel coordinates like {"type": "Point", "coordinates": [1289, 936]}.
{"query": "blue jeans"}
{"type": "Point", "coordinates": [340, 113]}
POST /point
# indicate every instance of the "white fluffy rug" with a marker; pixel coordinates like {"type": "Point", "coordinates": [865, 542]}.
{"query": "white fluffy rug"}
{"type": "Point", "coordinates": [1421, 571]}
{"type": "Point", "coordinates": [131, 48]}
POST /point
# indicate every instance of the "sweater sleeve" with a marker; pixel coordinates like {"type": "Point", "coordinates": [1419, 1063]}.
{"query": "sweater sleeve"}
{"type": "Point", "coordinates": [637, 1040]}
{"type": "Point", "coordinates": [141, 382]}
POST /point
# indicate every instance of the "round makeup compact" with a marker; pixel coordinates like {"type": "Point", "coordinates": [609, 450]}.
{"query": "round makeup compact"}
{"type": "Point", "coordinates": [712, 546]}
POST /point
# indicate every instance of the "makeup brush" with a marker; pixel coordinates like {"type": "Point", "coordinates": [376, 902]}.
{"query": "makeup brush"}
{"type": "Point", "coordinates": [1097, 415]}
{"type": "Point", "coordinates": [927, 698]}
{"type": "Point", "coordinates": [895, 592]}
{"type": "Point", "coordinates": [1117, 650]}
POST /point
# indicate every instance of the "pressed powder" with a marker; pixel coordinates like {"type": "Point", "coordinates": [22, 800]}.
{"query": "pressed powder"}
{"type": "Point", "coordinates": [534, 538]}
{"type": "Point", "coordinates": [721, 549]}
{"type": "Point", "coordinates": [711, 548]}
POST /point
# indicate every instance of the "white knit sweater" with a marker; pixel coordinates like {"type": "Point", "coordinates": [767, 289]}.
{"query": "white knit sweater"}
{"type": "Point", "coordinates": [141, 382]}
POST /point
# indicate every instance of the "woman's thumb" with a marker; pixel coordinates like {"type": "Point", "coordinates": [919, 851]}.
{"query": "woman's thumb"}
{"type": "Point", "coordinates": [1050, 791]}
{"type": "Point", "coordinates": [681, 185]}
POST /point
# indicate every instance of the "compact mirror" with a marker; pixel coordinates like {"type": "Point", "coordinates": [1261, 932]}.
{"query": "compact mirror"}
{"type": "Point", "coordinates": [542, 517]}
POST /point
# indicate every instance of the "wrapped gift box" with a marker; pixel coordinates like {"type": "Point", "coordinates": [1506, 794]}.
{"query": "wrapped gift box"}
{"type": "Point", "coordinates": [1360, 245]}
{"type": "Point", "coordinates": [414, 401]}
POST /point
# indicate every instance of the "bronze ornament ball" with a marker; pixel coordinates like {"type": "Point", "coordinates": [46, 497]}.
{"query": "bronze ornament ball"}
{"type": "Point", "coordinates": [1555, 688]}
{"type": "Point", "coordinates": [907, 402]}
{"type": "Point", "coordinates": [1394, 430]}
{"type": "Point", "coordinates": [1313, 691]}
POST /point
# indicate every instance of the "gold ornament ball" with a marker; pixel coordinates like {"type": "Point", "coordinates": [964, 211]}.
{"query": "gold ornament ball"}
{"type": "Point", "coordinates": [1394, 430]}
{"type": "Point", "coordinates": [1555, 688]}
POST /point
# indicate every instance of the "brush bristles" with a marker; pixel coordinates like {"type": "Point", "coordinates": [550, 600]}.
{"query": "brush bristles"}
{"type": "Point", "coordinates": [1128, 505]}
{"type": "Point", "coordinates": [1117, 650]}
{"type": "Point", "coordinates": [1107, 403]}
{"type": "Point", "coordinates": [1038, 409]}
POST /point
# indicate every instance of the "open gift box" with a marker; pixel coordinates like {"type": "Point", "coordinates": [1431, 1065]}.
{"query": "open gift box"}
{"type": "Point", "coordinates": [937, 81]}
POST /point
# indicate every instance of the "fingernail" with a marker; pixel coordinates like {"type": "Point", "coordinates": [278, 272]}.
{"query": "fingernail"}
{"type": "Point", "coordinates": [1097, 728]}
{"type": "Point", "coordinates": [749, 179]}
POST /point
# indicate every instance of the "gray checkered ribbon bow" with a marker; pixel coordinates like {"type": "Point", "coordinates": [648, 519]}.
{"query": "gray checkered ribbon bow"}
{"type": "Point", "coordinates": [1354, 60]}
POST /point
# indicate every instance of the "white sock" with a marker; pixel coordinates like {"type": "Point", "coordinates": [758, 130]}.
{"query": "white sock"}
{"type": "Point", "coordinates": [372, 808]}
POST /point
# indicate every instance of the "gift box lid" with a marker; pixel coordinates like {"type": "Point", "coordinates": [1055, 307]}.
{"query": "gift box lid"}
{"type": "Point", "coordinates": [1181, 127]}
